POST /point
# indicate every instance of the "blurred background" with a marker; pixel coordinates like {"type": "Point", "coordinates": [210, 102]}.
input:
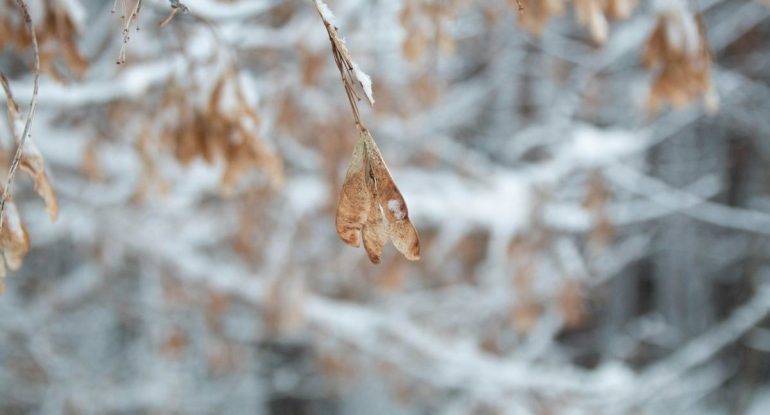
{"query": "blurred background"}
{"type": "Point", "coordinates": [589, 179]}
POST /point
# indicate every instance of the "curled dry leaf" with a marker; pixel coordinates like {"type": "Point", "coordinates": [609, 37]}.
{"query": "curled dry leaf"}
{"type": "Point", "coordinates": [57, 27]}
{"type": "Point", "coordinates": [32, 163]}
{"type": "Point", "coordinates": [355, 200]}
{"type": "Point", "coordinates": [534, 14]}
{"type": "Point", "coordinates": [375, 231]}
{"type": "Point", "coordinates": [590, 14]}
{"type": "Point", "coordinates": [372, 208]}
{"type": "Point", "coordinates": [225, 128]}
{"type": "Point", "coordinates": [620, 9]}
{"type": "Point", "coordinates": [678, 50]}
{"type": "Point", "coordinates": [14, 240]}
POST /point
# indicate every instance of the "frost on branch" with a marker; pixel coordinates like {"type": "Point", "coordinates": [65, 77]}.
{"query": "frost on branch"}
{"type": "Point", "coordinates": [350, 69]}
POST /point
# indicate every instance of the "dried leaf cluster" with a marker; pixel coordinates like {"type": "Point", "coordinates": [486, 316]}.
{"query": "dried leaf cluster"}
{"type": "Point", "coordinates": [591, 14]}
{"type": "Point", "coordinates": [371, 208]}
{"type": "Point", "coordinates": [14, 240]}
{"type": "Point", "coordinates": [426, 24]}
{"type": "Point", "coordinates": [678, 51]}
{"type": "Point", "coordinates": [226, 128]}
{"type": "Point", "coordinates": [57, 34]}
{"type": "Point", "coordinates": [535, 14]}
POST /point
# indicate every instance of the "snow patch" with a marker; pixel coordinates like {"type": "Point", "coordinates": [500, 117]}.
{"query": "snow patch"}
{"type": "Point", "coordinates": [365, 80]}
{"type": "Point", "coordinates": [395, 208]}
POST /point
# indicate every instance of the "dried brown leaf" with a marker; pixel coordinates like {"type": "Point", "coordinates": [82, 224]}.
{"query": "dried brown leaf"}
{"type": "Point", "coordinates": [14, 240]}
{"type": "Point", "coordinates": [355, 200]}
{"type": "Point", "coordinates": [375, 232]}
{"type": "Point", "coordinates": [400, 227]}
{"type": "Point", "coordinates": [372, 207]}
{"type": "Point", "coordinates": [32, 163]}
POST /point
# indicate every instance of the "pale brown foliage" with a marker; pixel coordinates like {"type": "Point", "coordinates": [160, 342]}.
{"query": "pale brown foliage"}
{"type": "Point", "coordinates": [535, 14]}
{"type": "Point", "coordinates": [425, 24]}
{"type": "Point", "coordinates": [678, 49]}
{"type": "Point", "coordinates": [591, 14]}
{"type": "Point", "coordinates": [371, 208]}
{"type": "Point", "coordinates": [14, 240]}
{"type": "Point", "coordinates": [226, 129]}
{"type": "Point", "coordinates": [57, 34]}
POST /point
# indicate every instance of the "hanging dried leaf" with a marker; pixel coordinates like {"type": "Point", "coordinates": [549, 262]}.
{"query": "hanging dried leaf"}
{"type": "Point", "coordinates": [355, 200]}
{"type": "Point", "coordinates": [368, 193]}
{"type": "Point", "coordinates": [372, 206]}
{"type": "Point", "coordinates": [32, 163]}
{"type": "Point", "coordinates": [400, 227]}
{"type": "Point", "coordinates": [679, 50]}
{"type": "Point", "coordinates": [14, 240]}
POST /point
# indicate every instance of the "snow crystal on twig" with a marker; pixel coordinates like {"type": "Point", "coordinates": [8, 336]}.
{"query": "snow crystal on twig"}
{"type": "Point", "coordinates": [326, 12]}
{"type": "Point", "coordinates": [365, 80]}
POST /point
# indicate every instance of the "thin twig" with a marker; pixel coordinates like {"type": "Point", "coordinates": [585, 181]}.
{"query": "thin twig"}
{"type": "Point", "coordinates": [346, 67]}
{"type": "Point", "coordinates": [126, 30]}
{"type": "Point", "coordinates": [32, 105]}
{"type": "Point", "coordinates": [170, 16]}
{"type": "Point", "coordinates": [345, 71]}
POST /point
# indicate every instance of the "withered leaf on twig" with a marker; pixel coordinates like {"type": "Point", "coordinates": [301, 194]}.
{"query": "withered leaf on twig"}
{"type": "Point", "coordinates": [354, 204]}
{"type": "Point", "coordinates": [14, 240]}
{"type": "Point", "coordinates": [31, 159]}
{"type": "Point", "coordinates": [372, 208]}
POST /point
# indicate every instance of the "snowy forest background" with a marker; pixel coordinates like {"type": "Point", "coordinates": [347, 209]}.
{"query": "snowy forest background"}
{"type": "Point", "coordinates": [593, 203]}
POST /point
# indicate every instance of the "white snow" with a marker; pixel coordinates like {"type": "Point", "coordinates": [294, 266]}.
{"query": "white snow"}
{"type": "Point", "coordinates": [365, 80]}
{"type": "Point", "coordinates": [326, 12]}
{"type": "Point", "coordinates": [396, 209]}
